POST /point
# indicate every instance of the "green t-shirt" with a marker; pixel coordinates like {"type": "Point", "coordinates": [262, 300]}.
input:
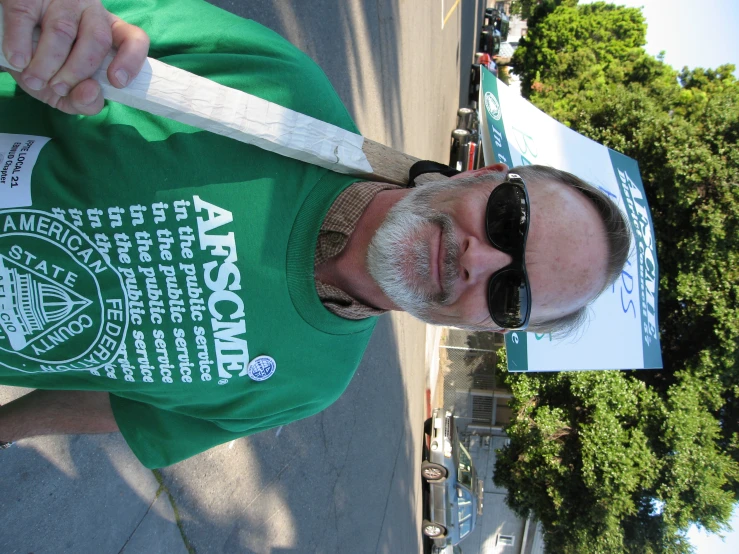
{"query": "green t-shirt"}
{"type": "Point", "coordinates": [167, 265]}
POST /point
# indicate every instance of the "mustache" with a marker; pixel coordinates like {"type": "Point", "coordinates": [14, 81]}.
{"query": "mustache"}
{"type": "Point", "coordinates": [450, 264]}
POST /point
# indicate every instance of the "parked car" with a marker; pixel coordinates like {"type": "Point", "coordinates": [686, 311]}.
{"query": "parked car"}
{"type": "Point", "coordinates": [455, 492]}
{"type": "Point", "coordinates": [499, 20]}
{"type": "Point", "coordinates": [481, 59]}
{"type": "Point", "coordinates": [465, 151]}
{"type": "Point", "coordinates": [490, 39]}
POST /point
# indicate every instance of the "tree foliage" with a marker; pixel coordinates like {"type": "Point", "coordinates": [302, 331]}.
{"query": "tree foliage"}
{"type": "Point", "coordinates": [617, 462]}
{"type": "Point", "coordinates": [609, 465]}
{"type": "Point", "coordinates": [571, 46]}
{"type": "Point", "coordinates": [523, 8]}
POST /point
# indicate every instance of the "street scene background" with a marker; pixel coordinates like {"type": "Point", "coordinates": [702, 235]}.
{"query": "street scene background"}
{"type": "Point", "coordinates": [585, 452]}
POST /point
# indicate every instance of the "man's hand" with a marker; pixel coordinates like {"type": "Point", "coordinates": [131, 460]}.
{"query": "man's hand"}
{"type": "Point", "coordinates": [76, 35]}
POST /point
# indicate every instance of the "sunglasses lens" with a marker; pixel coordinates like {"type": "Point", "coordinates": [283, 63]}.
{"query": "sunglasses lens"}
{"type": "Point", "coordinates": [506, 217]}
{"type": "Point", "coordinates": [508, 299]}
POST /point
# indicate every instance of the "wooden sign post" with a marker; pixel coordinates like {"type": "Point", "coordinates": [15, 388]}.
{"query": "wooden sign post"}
{"type": "Point", "coordinates": [167, 91]}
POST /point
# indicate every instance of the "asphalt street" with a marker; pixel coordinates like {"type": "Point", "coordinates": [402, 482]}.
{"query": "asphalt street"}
{"type": "Point", "coordinates": [344, 481]}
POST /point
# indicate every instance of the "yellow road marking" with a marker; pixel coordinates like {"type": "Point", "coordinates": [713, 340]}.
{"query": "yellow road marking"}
{"type": "Point", "coordinates": [449, 13]}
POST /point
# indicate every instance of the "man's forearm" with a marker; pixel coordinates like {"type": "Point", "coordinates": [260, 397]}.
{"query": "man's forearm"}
{"type": "Point", "coordinates": [56, 413]}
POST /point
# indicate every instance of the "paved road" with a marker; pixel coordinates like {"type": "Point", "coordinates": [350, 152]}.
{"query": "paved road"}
{"type": "Point", "coordinates": [345, 481]}
{"type": "Point", "coordinates": [394, 66]}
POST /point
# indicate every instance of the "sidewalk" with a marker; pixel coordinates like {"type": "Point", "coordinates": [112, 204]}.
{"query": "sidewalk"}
{"type": "Point", "coordinates": [110, 499]}
{"type": "Point", "coordinates": [435, 361]}
{"type": "Point", "coordinates": [343, 481]}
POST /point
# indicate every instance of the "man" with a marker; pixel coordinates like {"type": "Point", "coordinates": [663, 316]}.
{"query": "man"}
{"type": "Point", "coordinates": [187, 290]}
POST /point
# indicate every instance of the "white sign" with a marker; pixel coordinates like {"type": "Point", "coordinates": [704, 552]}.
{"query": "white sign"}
{"type": "Point", "coordinates": [622, 332]}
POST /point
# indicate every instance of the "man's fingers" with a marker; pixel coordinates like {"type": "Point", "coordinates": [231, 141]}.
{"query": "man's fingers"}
{"type": "Point", "coordinates": [58, 33]}
{"type": "Point", "coordinates": [86, 99]}
{"type": "Point", "coordinates": [75, 38]}
{"type": "Point", "coordinates": [93, 43]}
{"type": "Point", "coordinates": [21, 17]}
{"type": "Point", "coordinates": [133, 46]}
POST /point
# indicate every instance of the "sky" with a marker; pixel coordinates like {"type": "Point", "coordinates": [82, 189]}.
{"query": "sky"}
{"type": "Point", "coordinates": [696, 34]}
{"type": "Point", "coordinates": [714, 544]}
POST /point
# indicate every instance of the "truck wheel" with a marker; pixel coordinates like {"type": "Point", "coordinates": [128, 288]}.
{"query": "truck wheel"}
{"type": "Point", "coordinates": [433, 472]}
{"type": "Point", "coordinates": [433, 530]}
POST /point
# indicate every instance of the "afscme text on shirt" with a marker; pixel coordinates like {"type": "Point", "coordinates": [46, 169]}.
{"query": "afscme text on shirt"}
{"type": "Point", "coordinates": [222, 277]}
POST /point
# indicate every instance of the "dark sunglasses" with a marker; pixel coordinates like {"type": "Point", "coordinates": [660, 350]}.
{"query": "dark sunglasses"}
{"type": "Point", "coordinates": [507, 228]}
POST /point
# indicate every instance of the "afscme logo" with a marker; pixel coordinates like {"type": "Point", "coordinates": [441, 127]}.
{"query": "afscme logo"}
{"type": "Point", "coordinates": [492, 105]}
{"type": "Point", "coordinates": [62, 305]}
{"type": "Point", "coordinates": [223, 278]}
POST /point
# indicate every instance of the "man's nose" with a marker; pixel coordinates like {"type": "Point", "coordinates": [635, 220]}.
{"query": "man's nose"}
{"type": "Point", "coordinates": [479, 260]}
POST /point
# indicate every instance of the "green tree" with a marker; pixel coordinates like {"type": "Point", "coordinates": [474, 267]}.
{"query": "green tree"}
{"type": "Point", "coordinates": [585, 66]}
{"type": "Point", "coordinates": [609, 465]}
{"type": "Point", "coordinates": [571, 46]}
{"type": "Point", "coordinates": [524, 8]}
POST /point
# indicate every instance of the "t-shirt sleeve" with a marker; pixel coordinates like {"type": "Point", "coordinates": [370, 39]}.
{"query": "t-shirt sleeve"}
{"type": "Point", "coordinates": [236, 52]}
{"type": "Point", "coordinates": [160, 437]}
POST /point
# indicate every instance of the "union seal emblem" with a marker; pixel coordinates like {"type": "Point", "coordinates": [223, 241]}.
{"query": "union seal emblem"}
{"type": "Point", "coordinates": [492, 105]}
{"type": "Point", "coordinates": [62, 304]}
{"type": "Point", "coordinates": [261, 368]}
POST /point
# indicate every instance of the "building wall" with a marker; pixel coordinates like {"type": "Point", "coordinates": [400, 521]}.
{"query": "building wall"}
{"type": "Point", "coordinates": [497, 519]}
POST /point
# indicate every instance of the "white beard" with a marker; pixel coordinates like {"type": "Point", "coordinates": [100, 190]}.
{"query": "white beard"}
{"type": "Point", "coordinates": [400, 263]}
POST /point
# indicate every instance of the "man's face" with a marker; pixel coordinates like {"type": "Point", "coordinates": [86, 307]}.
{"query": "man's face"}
{"type": "Point", "coordinates": [432, 258]}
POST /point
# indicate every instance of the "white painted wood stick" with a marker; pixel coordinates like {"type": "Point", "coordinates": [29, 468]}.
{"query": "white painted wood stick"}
{"type": "Point", "coordinates": [167, 91]}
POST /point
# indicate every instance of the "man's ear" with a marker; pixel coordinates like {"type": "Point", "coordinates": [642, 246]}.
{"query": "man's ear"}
{"type": "Point", "coordinates": [495, 168]}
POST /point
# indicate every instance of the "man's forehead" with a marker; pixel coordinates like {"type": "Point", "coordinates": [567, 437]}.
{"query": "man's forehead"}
{"type": "Point", "coordinates": [566, 251]}
{"type": "Point", "coordinates": [561, 206]}
{"type": "Point", "coordinates": [548, 188]}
